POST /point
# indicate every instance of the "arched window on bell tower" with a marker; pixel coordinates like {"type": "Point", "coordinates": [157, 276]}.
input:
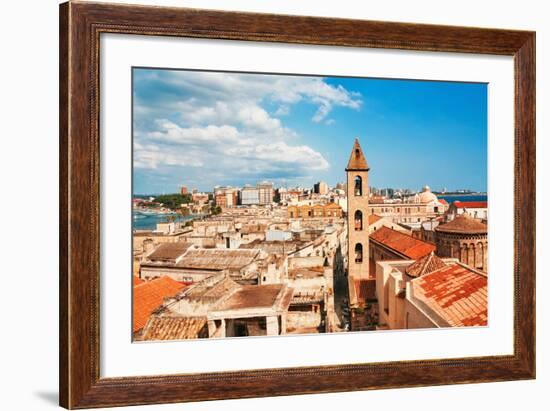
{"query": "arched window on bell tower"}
{"type": "Point", "coordinates": [358, 253]}
{"type": "Point", "coordinates": [358, 220]}
{"type": "Point", "coordinates": [358, 186]}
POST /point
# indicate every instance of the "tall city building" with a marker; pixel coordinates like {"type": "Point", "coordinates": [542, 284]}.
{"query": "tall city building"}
{"type": "Point", "coordinates": [320, 188]}
{"type": "Point", "coordinates": [357, 172]}
{"type": "Point", "coordinates": [250, 195]}
{"type": "Point", "coordinates": [225, 196]}
{"type": "Point", "coordinates": [265, 192]}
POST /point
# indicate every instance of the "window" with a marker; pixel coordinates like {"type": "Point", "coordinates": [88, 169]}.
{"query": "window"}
{"type": "Point", "coordinates": [358, 220]}
{"type": "Point", "coordinates": [358, 188]}
{"type": "Point", "coordinates": [358, 253]}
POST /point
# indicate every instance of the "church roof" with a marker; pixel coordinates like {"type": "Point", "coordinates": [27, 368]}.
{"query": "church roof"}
{"type": "Point", "coordinates": [357, 160]}
{"type": "Point", "coordinates": [412, 248]}
{"type": "Point", "coordinates": [427, 264]}
{"type": "Point", "coordinates": [463, 224]}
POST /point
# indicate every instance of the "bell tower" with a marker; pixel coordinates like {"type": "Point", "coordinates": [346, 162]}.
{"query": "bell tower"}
{"type": "Point", "coordinates": [357, 173]}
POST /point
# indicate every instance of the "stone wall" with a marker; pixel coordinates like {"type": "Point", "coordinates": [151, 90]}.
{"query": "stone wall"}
{"type": "Point", "coordinates": [302, 319]}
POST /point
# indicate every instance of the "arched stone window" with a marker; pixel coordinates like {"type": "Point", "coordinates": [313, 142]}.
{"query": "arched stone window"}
{"type": "Point", "coordinates": [358, 253]}
{"type": "Point", "coordinates": [358, 187]}
{"type": "Point", "coordinates": [471, 255]}
{"type": "Point", "coordinates": [479, 256]}
{"type": "Point", "coordinates": [358, 220]}
{"type": "Point", "coordinates": [464, 253]}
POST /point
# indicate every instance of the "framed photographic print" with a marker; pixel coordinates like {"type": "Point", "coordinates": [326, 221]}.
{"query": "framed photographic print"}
{"type": "Point", "coordinates": [257, 205]}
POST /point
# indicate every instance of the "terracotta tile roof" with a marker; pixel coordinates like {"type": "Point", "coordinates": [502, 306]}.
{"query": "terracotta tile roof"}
{"type": "Point", "coordinates": [169, 251]}
{"type": "Point", "coordinates": [456, 293]}
{"type": "Point", "coordinates": [175, 328]}
{"type": "Point", "coordinates": [470, 204]}
{"type": "Point", "coordinates": [136, 281]}
{"type": "Point", "coordinates": [443, 201]}
{"type": "Point", "coordinates": [463, 223]}
{"type": "Point", "coordinates": [404, 244]}
{"type": "Point", "coordinates": [207, 289]}
{"type": "Point", "coordinates": [149, 296]}
{"type": "Point", "coordinates": [377, 200]}
{"type": "Point", "coordinates": [373, 218]}
{"type": "Point", "coordinates": [357, 160]}
{"type": "Point", "coordinates": [427, 264]}
{"type": "Point", "coordinates": [218, 259]}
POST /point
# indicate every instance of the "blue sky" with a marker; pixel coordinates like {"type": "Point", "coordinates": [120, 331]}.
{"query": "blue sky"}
{"type": "Point", "coordinates": [202, 129]}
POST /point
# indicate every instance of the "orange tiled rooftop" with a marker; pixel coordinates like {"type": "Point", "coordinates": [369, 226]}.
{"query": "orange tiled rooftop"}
{"type": "Point", "coordinates": [149, 296]}
{"type": "Point", "coordinates": [410, 247]}
{"type": "Point", "coordinates": [455, 293]}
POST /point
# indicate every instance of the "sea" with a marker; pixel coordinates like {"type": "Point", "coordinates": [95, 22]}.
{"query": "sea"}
{"type": "Point", "coordinates": [149, 221]}
{"type": "Point", "coordinates": [463, 197]}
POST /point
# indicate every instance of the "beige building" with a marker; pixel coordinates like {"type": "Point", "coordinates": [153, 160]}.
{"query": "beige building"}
{"type": "Point", "coordinates": [219, 307]}
{"type": "Point", "coordinates": [312, 306]}
{"type": "Point", "coordinates": [265, 193]}
{"type": "Point", "coordinates": [376, 222]}
{"type": "Point", "coordinates": [320, 188]}
{"type": "Point", "coordinates": [422, 207]}
{"type": "Point", "coordinates": [330, 210]}
{"type": "Point", "coordinates": [430, 292]}
{"type": "Point", "coordinates": [475, 209]}
{"type": "Point", "coordinates": [195, 264]}
{"type": "Point", "coordinates": [252, 310]}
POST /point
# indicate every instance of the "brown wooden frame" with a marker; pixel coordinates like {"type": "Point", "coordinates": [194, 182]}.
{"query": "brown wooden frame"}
{"type": "Point", "coordinates": [80, 27]}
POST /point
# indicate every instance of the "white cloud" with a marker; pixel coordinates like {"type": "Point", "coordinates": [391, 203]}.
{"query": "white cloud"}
{"type": "Point", "coordinates": [169, 132]}
{"type": "Point", "coordinates": [303, 157]}
{"type": "Point", "coordinates": [213, 94]}
{"type": "Point", "coordinates": [283, 110]}
{"type": "Point", "coordinates": [216, 123]}
{"type": "Point", "coordinates": [152, 156]}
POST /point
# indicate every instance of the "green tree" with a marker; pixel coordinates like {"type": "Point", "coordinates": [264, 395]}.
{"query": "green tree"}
{"type": "Point", "coordinates": [174, 201]}
{"type": "Point", "coordinates": [214, 210]}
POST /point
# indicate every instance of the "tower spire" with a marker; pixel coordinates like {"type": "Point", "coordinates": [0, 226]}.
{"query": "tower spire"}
{"type": "Point", "coordinates": [357, 160]}
{"type": "Point", "coordinates": [357, 177]}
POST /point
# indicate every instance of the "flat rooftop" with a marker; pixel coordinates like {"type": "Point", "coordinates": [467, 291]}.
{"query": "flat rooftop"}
{"type": "Point", "coordinates": [217, 259]}
{"type": "Point", "coordinates": [306, 272]}
{"type": "Point", "coordinates": [270, 296]}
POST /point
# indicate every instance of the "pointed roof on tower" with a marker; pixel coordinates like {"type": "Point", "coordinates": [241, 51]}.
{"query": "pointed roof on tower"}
{"type": "Point", "coordinates": [357, 160]}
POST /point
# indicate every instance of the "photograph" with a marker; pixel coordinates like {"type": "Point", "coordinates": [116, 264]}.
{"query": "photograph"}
{"type": "Point", "coordinates": [277, 204]}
